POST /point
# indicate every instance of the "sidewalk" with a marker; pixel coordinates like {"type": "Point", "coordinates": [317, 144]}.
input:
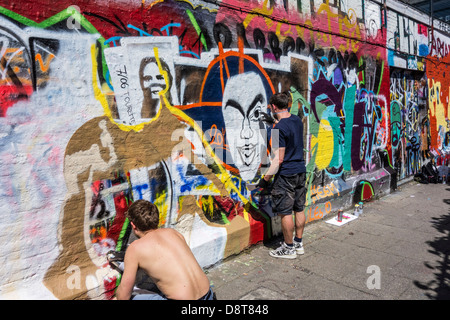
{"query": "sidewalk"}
{"type": "Point", "coordinates": [397, 250]}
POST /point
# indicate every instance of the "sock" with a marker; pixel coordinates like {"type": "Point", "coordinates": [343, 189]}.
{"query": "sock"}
{"type": "Point", "coordinates": [289, 244]}
{"type": "Point", "coordinates": [297, 239]}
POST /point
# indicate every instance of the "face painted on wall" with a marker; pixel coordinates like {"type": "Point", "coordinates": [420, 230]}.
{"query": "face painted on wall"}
{"type": "Point", "coordinates": [153, 80]}
{"type": "Point", "coordinates": [244, 99]}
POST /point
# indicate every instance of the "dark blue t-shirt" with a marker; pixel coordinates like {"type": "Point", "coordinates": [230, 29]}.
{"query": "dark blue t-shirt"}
{"type": "Point", "coordinates": [290, 132]}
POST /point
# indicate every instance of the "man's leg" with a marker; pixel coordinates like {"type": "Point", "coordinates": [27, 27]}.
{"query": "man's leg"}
{"type": "Point", "coordinates": [287, 226]}
{"type": "Point", "coordinates": [300, 221]}
{"type": "Point", "coordinates": [282, 204]}
{"type": "Point", "coordinates": [286, 250]}
{"type": "Point", "coordinates": [299, 212]}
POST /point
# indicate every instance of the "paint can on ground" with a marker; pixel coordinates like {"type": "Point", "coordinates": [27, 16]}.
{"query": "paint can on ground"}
{"type": "Point", "coordinates": [356, 211]}
{"type": "Point", "coordinates": [340, 215]}
{"type": "Point", "coordinates": [361, 206]}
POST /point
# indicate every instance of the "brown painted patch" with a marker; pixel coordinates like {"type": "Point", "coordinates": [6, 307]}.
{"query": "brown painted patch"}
{"type": "Point", "coordinates": [133, 150]}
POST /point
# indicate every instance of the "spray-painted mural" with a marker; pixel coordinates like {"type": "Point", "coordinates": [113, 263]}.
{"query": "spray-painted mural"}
{"type": "Point", "coordinates": [438, 96]}
{"type": "Point", "coordinates": [163, 100]}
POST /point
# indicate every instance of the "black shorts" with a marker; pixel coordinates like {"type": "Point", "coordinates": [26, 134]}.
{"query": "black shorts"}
{"type": "Point", "coordinates": [289, 194]}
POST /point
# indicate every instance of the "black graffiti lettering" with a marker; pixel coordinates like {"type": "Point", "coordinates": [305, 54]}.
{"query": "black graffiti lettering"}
{"type": "Point", "coordinates": [120, 29]}
{"type": "Point", "coordinates": [260, 40]}
{"type": "Point", "coordinates": [156, 31]}
{"type": "Point", "coordinates": [299, 45]}
{"type": "Point", "coordinates": [198, 41]}
{"type": "Point", "coordinates": [98, 201]}
{"type": "Point", "coordinates": [288, 46]}
{"type": "Point", "coordinates": [333, 58]}
{"type": "Point", "coordinates": [240, 29]}
{"type": "Point", "coordinates": [275, 45]}
{"type": "Point", "coordinates": [181, 37]}
{"type": "Point", "coordinates": [222, 35]}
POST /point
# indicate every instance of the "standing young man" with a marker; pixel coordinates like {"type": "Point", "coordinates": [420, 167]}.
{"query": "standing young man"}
{"type": "Point", "coordinates": [288, 166]}
{"type": "Point", "coordinates": [166, 258]}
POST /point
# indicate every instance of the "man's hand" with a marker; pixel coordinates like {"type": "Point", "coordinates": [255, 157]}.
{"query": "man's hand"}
{"type": "Point", "coordinates": [267, 118]}
{"type": "Point", "coordinates": [115, 259]}
{"type": "Point", "coordinates": [262, 183]}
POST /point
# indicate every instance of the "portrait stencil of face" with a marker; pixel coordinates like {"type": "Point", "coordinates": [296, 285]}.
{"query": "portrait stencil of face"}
{"type": "Point", "coordinates": [153, 80]}
{"type": "Point", "coordinates": [244, 99]}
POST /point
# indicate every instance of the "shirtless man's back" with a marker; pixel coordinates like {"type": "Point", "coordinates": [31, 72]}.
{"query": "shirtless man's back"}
{"type": "Point", "coordinates": [165, 256]}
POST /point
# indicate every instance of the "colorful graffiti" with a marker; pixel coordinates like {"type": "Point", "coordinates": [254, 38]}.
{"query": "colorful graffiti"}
{"type": "Point", "coordinates": [163, 101]}
{"type": "Point", "coordinates": [438, 86]}
{"type": "Point", "coordinates": [406, 122]}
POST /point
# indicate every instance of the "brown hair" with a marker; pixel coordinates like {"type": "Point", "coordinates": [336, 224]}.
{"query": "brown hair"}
{"type": "Point", "coordinates": [281, 100]}
{"type": "Point", "coordinates": [144, 215]}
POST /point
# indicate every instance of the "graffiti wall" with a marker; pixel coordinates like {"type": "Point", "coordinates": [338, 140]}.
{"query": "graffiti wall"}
{"type": "Point", "coordinates": [438, 84]}
{"type": "Point", "coordinates": [104, 104]}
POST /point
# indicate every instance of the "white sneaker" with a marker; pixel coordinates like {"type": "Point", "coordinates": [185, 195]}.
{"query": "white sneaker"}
{"type": "Point", "coordinates": [299, 247]}
{"type": "Point", "coordinates": [284, 251]}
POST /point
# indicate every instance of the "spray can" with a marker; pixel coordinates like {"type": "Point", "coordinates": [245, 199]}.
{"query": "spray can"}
{"type": "Point", "coordinates": [361, 205]}
{"type": "Point", "coordinates": [340, 215]}
{"type": "Point", "coordinates": [444, 180]}
{"type": "Point", "coordinates": [356, 211]}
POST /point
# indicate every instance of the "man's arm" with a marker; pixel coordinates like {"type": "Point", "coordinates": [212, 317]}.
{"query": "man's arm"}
{"type": "Point", "coordinates": [128, 280]}
{"type": "Point", "coordinates": [276, 163]}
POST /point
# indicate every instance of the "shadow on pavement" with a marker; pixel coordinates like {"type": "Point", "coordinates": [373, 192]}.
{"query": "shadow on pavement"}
{"type": "Point", "coordinates": [439, 288]}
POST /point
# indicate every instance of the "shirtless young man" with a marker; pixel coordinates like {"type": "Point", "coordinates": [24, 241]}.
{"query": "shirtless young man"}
{"type": "Point", "coordinates": [165, 256]}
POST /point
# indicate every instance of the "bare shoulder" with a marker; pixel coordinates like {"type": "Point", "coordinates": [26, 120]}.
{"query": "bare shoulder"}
{"type": "Point", "coordinates": [139, 248]}
{"type": "Point", "coordinates": [131, 254]}
{"type": "Point", "coordinates": [170, 233]}
{"type": "Point", "coordinates": [133, 247]}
